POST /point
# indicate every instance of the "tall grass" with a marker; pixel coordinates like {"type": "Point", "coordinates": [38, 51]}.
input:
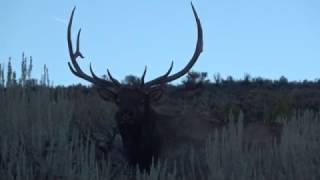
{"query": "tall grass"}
{"type": "Point", "coordinates": [37, 141]}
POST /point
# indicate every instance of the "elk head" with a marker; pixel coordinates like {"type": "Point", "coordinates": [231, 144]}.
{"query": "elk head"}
{"type": "Point", "coordinates": [135, 117]}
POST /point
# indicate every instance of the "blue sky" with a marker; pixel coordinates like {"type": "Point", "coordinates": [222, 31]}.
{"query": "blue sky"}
{"type": "Point", "coordinates": [267, 38]}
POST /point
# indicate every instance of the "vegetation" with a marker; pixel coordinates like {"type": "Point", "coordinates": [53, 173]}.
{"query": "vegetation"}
{"type": "Point", "coordinates": [61, 132]}
{"type": "Point", "coordinates": [25, 79]}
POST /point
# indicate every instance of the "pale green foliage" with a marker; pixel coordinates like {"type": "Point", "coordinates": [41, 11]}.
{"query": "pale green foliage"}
{"type": "Point", "coordinates": [45, 81]}
{"type": "Point", "coordinates": [36, 143]}
{"type": "Point", "coordinates": [296, 157]}
{"type": "Point", "coordinates": [2, 78]}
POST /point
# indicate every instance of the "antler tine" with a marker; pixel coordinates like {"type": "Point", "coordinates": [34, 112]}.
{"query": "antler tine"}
{"type": "Point", "coordinates": [73, 56]}
{"type": "Point", "coordinates": [115, 81]}
{"type": "Point", "coordinates": [78, 53]}
{"type": "Point", "coordinates": [193, 60]}
{"type": "Point", "coordinates": [95, 77]}
{"type": "Point", "coordinates": [75, 68]}
{"type": "Point", "coordinates": [161, 78]}
{"type": "Point", "coordinates": [143, 75]}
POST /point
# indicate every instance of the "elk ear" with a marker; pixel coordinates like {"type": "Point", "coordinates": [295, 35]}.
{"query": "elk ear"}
{"type": "Point", "coordinates": [107, 94]}
{"type": "Point", "coordinates": [155, 94]}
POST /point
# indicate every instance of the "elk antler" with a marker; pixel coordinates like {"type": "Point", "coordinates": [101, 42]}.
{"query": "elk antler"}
{"type": "Point", "coordinates": [75, 68]}
{"type": "Point", "coordinates": [165, 78]}
{"type": "Point", "coordinates": [199, 47]}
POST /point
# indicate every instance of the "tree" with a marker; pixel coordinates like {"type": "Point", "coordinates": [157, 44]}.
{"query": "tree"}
{"type": "Point", "coordinates": [9, 73]}
{"type": "Point", "coordinates": [2, 78]}
{"type": "Point", "coordinates": [24, 70]}
{"type": "Point", "coordinates": [217, 78]}
{"type": "Point", "coordinates": [246, 79]}
{"type": "Point", "coordinates": [30, 68]}
{"type": "Point", "coordinates": [14, 79]}
{"type": "Point", "coordinates": [195, 79]}
{"type": "Point", "coordinates": [229, 80]}
{"type": "Point", "coordinates": [283, 80]}
{"type": "Point", "coordinates": [131, 80]}
{"type": "Point", "coordinates": [45, 81]}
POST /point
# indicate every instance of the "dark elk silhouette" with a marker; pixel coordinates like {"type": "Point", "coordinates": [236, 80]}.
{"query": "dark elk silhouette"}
{"type": "Point", "coordinates": [136, 120]}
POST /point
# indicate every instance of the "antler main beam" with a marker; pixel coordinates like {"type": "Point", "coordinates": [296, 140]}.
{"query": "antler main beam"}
{"type": "Point", "coordinates": [74, 66]}
{"type": "Point", "coordinates": [199, 47]}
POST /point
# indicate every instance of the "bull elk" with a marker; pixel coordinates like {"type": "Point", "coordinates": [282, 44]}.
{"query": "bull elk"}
{"type": "Point", "coordinates": [136, 119]}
